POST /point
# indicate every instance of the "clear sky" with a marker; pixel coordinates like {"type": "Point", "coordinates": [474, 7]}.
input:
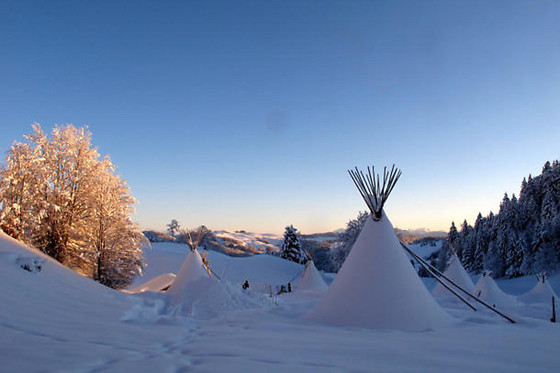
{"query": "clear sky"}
{"type": "Point", "coordinates": [247, 114]}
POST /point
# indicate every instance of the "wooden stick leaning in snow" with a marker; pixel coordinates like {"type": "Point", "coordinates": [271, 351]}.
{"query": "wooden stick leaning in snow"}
{"type": "Point", "coordinates": [427, 265]}
{"type": "Point", "coordinates": [438, 279]}
{"type": "Point", "coordinates": [372, 191]}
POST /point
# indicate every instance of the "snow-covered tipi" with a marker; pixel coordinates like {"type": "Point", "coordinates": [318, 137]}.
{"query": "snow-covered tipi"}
{"type": "Point", "coordinates": [541, 293]}
{"type": "Point", "coordinates": [190, 283]}
{"type": "Point", "coordinates": [311, 279]}
{"type": "Point", "coordinates": [487, 290]}
{"type": "Point", "coordinates": [456, 273]}
{"type": "Point", "coordinates": [377, 286]}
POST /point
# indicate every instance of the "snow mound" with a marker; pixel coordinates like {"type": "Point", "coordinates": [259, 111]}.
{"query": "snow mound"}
{"type": "Point", "coordinates": [311, 279]}
{"type": "Point", "coordinates": [487, 290]}
{"type": "Point", "coordinates": [456, 273]}
{"type": "Point", "coordinates": [159, 283]}
{"type": "Point", "coordinates": [377, 287]}
{"type": "Point", "coordinates": [541, 293]}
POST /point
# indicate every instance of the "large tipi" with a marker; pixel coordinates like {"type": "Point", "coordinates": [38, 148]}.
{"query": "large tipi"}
{"type": "Point", "coordinates": [456, 273]}
{"type": "Point", "coordinates": [376, 286]}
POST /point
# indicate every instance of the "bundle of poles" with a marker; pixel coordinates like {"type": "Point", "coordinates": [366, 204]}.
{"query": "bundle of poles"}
{"type": "Point", "coordinates": [450, 285]}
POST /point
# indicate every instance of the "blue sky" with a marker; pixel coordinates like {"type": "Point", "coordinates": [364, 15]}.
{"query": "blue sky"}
{"type": "Point", "coordinates": [247, 114]}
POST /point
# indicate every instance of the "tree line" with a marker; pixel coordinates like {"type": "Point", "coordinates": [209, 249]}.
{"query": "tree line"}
{"type": "Point", "coordinates": [59, 196]}
{"type": "Point", "coordinates": [522, 238]}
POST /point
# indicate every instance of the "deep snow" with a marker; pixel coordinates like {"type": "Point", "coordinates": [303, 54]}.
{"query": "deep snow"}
{"type": "Point", "coordinates": [55, 320]}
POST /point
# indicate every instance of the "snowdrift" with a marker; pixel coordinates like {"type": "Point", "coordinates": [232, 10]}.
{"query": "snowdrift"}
{"type": "Point", "coordinates": [159, 283]}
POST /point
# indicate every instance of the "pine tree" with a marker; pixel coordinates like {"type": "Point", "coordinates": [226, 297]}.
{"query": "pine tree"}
{"type": "Point", "coordinates": [481, 244]}
{"type": "Point", "coordinates": [524, 237]}
{"type": "Point", "coordinates": [291, 246]}
{"type": "Point", "coordinates": [467, 245]}
{"type": "Point", "coordinates": [453, 237]}
{"type": "Point", "coordinates": [529, 215]}
{"type": "Point", "coordinates": [173, 227]}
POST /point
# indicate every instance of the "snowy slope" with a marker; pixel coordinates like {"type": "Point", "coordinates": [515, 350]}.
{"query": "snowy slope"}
{"type": "Point", "coordinates": [57, 321]}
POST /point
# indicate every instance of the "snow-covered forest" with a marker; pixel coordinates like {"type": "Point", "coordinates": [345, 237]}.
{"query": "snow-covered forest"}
{"type": "Point", "coordinates": [522, 238]}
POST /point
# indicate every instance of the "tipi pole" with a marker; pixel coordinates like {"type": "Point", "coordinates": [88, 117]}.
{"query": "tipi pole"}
{"type": "Point", "coordinates": [449, 288]}
{"type": "Point", "coordinates": [428, 265]}
{"type": "Point", "coordinates": [438, 279]}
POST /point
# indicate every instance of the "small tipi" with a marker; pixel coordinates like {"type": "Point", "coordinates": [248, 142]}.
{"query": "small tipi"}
{"type": "Point", "coordinates": [376, 286]}
{"type": "Point", "coordinates": [541, 293]}
{"type": "Point", "coordinates": [311, 279]}
{"type": "Point", "coordinates": [487, 290]}
{"type": "Point", "coordinates": [456, 273]}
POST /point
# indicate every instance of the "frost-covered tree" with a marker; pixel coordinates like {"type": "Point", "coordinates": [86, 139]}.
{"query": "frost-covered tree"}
{"type": "Point", "coordinates": [18, 186]}
{"type": "Point", "coordinates": [467, 243]}
{"type": "Point", "coordinates": [194, 237]}
{"type": "Point", "coordinates": [481, 244]}
{"type": "Point", "coordinates": [115, 240]}
{"type": "Point", "coordinates": [73, 207]}
{"type": "Point", "coordinates": [346, 239]}
{"type": "Point", "coordinates": [524, 237]}
{"type": "Point", "coordinates": [173, 227]}
{"type": "Point", "coordinates": [291, 246]}
{"type": "Point", "coordinates": [452, 236]}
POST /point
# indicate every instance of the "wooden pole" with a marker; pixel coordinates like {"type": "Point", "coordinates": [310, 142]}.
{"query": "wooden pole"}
{"type": "Point", "coordinates": [426, 264]}
{"type": "Point", "coordinates": [553, 319]}
{"type": "Point", "coordinates": [449, 288]}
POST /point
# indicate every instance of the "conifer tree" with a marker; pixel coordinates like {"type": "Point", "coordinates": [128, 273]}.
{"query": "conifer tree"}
{"type": "Point", "coordinates": [291, 246]}
{"type": "Point", "coordinates": [173, 227]}
{"type": "Point", "coordinates": [481, 245]}
{"type": "Point", "coordinates": [524, 237]}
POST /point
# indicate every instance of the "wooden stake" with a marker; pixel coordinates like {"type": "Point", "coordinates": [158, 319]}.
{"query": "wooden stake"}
{"type": "Point", "coordinates": [553, 319]}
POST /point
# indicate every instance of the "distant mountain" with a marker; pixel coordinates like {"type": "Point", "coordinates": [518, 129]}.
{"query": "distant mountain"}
{"type": "Point", "coordinates": [321, 237]}
{"type": "Point", "coordinates": [412, 235]}
{"type": "Point", "coordinates": [154, 236]}
{"type": "Point", "coordinates": [243, 243]}
{"type": "Point", "coordinates": [238, 243]}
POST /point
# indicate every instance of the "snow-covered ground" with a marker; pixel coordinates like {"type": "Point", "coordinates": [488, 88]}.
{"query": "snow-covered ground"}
{"type": "Point", "coordinates": [53, 320]}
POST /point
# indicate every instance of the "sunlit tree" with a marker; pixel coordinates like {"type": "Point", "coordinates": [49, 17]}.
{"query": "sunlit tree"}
{"type": "Point", "coordinates": [58, 195]}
